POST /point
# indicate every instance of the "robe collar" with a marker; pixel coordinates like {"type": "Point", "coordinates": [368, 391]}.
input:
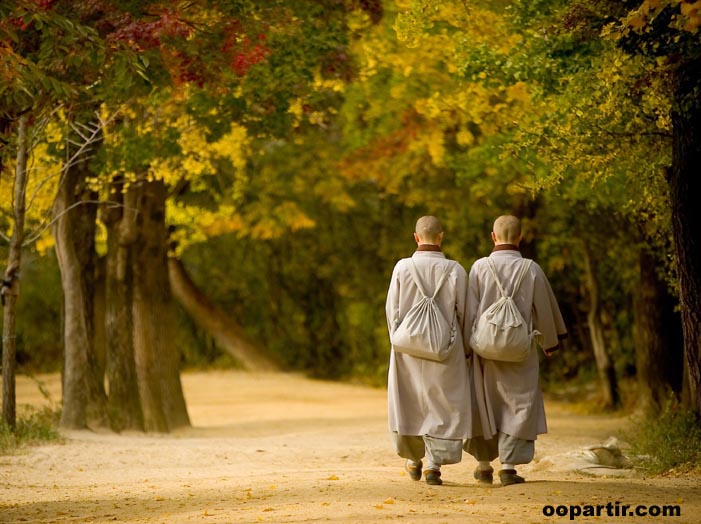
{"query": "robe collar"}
{"type": "Point", "coordinates": [506, 247]}
{"type": "Point", "coordinates": [429, 247]}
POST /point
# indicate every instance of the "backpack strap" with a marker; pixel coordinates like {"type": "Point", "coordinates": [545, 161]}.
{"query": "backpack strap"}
{"type": "Point", "coordinates": [493, 270]}
{"type": "Point", "coordinates": [525, 266]}
{"type": "Point", "coordinates": [415, 275]}
{"type": "Point", "coordinates": [419, 284]}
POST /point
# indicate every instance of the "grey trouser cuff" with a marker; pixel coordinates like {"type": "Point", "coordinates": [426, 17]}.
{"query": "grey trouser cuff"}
{"type": "Point", "coordinates": [438, 451]}
{"type": "Point", "coordinates": [510, 450]}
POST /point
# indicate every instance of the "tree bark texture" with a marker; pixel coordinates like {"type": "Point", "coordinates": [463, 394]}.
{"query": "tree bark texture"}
{"type": "Point", "coordinates": [119, 217]}
{"type": "Point", "coordinates": [157, 359]}
{"type": "Point", "coordinates": [10, 283]}
{"type": "Point", "coordinates": [604, 365]}
{"type": "Point", "coordinates": [329, 354]}
{"type": "Point", "coordinates": [657, 333]}
{"type": "Point", "coordinates": [99, 305]}
{"type": "Point", "coordinates": [686, 214]}
{"type": "Point", "coordinates": [227, 333]}
{"type": "Point", "coordinates": [74, 234]}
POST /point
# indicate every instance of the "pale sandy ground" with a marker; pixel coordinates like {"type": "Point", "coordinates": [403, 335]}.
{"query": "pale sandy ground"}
{"type": "Point", "coordinates": [280, 448]}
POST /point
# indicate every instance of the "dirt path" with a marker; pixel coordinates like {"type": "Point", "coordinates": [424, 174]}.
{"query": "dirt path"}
{"type": "Point", "coordinates": [281, 448]}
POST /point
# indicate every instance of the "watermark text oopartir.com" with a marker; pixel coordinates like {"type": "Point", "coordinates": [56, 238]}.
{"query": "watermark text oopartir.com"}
{"type": "Point", "coordinates": [611, 509]}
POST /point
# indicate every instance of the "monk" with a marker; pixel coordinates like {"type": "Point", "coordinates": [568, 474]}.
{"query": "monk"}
{"type": "Point", "coordinates": [508, 402]}
{"type": "Point", "coordinates": [428, 401]}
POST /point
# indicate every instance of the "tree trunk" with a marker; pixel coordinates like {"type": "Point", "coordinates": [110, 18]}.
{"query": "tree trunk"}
{"type": "Point", "coordinates": [10, 283]}
{"type": "Point", "coordinates": [227, 333]}
{"type": "Point", "coordinates": [686, 214]}
{"type": "Point", "coordinates": [657, 334]}
{"type": "Point", "coordinates": [329, 355]}
{"type": "Point", "coordinates": [84, 399]}
{"type": "Point", "coordinates": [604, 365]}
{"type": "Point", "coordinates": [99, 305]}
{"type": "Point", "coordinates": [124, 399]}
{"type": "Point", "coordinates": [157, 359]}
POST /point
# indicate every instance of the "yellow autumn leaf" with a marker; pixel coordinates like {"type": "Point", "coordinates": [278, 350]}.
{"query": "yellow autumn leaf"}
{"type": "Point", "coordinates": [518, 92]}
{"type": "Point", "coordinates": [436, 146]}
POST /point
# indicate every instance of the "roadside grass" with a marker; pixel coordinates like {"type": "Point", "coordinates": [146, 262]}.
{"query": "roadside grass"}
{"type": "Point", "coordinates": [665, 442]}
{"type": "Point", "coordinates": [34, 426]}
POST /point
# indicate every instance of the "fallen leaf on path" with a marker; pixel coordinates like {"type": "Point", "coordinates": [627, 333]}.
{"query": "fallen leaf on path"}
{"type": "Point", "coordinates": [379, 506]}
{"type": "Point", "coordinates": [207, 514]}
{"type": "Point", "coordinates": [332, 477]}
{"type": "Point", "coordinates": [389, 500]}
{"type": "Point", "coordinates": [470, 501]}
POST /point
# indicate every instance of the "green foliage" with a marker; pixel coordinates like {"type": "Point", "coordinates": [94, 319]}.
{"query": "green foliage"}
{"type": "Point", "coordinates": [40, 305]}
{"type": "Point", "coordinates": [302, 150]}
{"type": "Point", "coordinates": [34, 427]}
{"type": "Point", "coordinates": [664, 441]}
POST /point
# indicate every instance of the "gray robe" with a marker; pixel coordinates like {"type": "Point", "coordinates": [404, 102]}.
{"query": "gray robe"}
{"type": "Point", "coordinates": [425, 397]}
{"type": "Point", "coordinates": [507, 395]}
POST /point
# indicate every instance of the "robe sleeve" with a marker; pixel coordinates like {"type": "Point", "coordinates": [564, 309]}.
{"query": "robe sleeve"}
{"type": "Point", "coordinates": [471, 305]}
{"type": "Point", "coordinates": [392, 304]}
{"type": "Point", "coordinates": [461, 303]}
{"type": "Point", "coordinates": [546, 313]}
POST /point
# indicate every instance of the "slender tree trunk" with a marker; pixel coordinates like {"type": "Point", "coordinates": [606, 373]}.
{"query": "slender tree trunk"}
{"type": "Point", "coordinates": [686, 214]}
{"type": "Point", "coordinates": [10, 283]}
{"type": "Point", "coordinates": [604, 365]}
{"type": "Point", "coordinates": [99, 305]}
{"type": "Point", "coordinates": [84, 399]}
{"type": "Point", "coordinates": [124, 399]}
{"type": "Point", "coordinates": [658, 343]}
{"type": "Point", "coordinates": [329, 352]}
{"type": "Point", "coordinates": [227, 333]}
{"type": "Point", "coordinates": [157, 359]}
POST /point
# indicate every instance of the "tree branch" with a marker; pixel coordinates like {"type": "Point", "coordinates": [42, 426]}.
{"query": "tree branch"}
{"type": "Point", "coordinates": [37, 234]}
{"type": "Point", "coordinates": [92, 137]}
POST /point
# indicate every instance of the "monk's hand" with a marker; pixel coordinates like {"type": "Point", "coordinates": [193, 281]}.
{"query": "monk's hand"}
{"type": "Point", "coordinates": [549, 352]}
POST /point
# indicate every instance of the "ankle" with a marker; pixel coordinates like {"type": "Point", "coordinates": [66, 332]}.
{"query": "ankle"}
{"type": "Point", "coordinates": [433, 467]}
{"type": "Point", "coordinates": [484, 465]}
{"type": "Point", "coordinates": [505, 466]}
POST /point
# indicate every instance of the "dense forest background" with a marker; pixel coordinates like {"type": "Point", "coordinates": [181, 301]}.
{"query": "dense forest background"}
{"type": "Point", "coordinates": [231, 183]}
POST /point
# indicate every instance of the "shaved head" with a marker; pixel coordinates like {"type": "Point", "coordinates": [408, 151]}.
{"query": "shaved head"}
{"type": "Point", "coordinates": [507, 229]}
{"type": "Point", "coordinates": [429, 229]}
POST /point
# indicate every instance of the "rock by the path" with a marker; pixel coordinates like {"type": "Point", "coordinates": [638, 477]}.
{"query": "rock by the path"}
{"type": "Point", "coordinates": [599, 459]}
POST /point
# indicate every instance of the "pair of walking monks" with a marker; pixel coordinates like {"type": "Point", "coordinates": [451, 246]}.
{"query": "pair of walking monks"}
{"type": "Point", "coordinates": [488, 408]}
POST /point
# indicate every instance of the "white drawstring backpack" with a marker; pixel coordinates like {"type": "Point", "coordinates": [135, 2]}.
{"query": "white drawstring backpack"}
{"type": "Point", "coordinates": [424, 331]}
{"type": "Point", "coordinates": [500, 332]}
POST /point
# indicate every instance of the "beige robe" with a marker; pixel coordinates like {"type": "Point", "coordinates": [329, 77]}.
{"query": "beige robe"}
{"type": "Point", "coordinates": [507, 395]}
{"type": "Point", "coordinates": [426, 397]}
